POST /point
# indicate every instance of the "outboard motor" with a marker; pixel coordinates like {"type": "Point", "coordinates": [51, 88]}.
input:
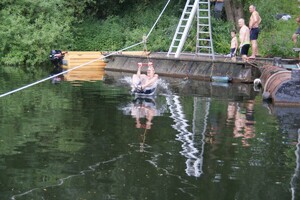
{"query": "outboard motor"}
{"type": "Point", "coordinates": [56, 57]}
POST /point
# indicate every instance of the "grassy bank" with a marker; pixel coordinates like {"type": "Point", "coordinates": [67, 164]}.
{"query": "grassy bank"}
{"type": "Point", "coordinates": [117, 32]}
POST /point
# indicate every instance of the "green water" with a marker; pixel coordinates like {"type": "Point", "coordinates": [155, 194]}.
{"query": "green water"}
{"type": "Point", "coordinates": [194, 140]}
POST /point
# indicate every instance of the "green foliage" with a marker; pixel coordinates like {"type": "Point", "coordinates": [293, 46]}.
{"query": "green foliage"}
{"type": "Point", "coordinates": [117, 32]}
{"type": "Point", "coordinates": [278, 42]}
{"type": "Point", "coordinates": [269, 9]}
{"type": "Point", "coordinates": [30, 28]}
{"type": "Point", "coordinates": [96, 35]}
{"type": "Point", "coordinates": [221, 35]}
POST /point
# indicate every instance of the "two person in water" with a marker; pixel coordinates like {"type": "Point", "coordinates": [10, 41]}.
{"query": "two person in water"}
{"type": "Point", "coordinates": [144, 84]}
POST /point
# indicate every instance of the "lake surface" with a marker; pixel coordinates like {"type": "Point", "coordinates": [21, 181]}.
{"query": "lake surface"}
{"type": "Point", "coordinates": [193, 140]}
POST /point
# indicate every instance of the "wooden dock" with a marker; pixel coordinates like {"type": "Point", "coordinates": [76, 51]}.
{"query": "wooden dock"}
{"type": "Point", "coordinates": [187, 66]}
{"type": "Point", "coordinates": [89, 71]}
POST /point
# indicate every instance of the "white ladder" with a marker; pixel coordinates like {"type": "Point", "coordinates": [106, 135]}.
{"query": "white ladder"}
{"type": "Point", "coordinates": [204, 33]}
{"type": "Point", "coordinates": [204, 36]}
{"type": "Point", "coordinates": [183, 28]}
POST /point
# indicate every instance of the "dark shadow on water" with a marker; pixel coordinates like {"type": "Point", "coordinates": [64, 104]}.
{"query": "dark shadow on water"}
{"type": "Point", "coordinates": [288, 118]}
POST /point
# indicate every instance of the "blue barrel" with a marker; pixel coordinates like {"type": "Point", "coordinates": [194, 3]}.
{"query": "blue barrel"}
{"type": "Point", "coordinates": [222, 79]}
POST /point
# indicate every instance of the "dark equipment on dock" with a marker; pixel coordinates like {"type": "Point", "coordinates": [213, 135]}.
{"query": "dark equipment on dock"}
{"type": "Point", "coordinates": [281, 86]}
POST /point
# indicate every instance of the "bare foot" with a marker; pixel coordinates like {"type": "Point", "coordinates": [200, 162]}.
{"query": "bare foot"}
{"type": "Point", "coordinates": [252, 57]}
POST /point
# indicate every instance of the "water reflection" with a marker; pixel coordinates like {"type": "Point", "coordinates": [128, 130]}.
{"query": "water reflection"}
{"type": "Point", "coordinates": [241, 116]}
{"type": "Point", "coordinates": [69, 142]}
{"type": "Point", "coordinates": [288, 118]}
{"type": "Point", "coordinates": [143, 109]}
{"type": "Point", "coordinates": [192, 141]}
{"type": "Point", "coordinates": [295, 178]}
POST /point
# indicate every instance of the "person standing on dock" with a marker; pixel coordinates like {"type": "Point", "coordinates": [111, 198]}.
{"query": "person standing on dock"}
{"type": "Point", "coordinates": [233, 45]}
{"type": "Point", "coordinates": [297, 33]}
{"type": "Point", "coordinates": [244, 39]}
{"type": "Point", "coordinates": [254, 22]}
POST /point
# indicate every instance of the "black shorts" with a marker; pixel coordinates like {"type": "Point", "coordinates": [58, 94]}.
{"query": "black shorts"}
{"type": "Point", "coordinates": [298, 31]}
{"type": "Point", "coordinates": [254, 33]}
{"type": "Point", "coordinates": [245, 49]}
{"type": "Point", "coordinates": [232, 50]}
{"type": "Point", "coordinates": [147, 91]}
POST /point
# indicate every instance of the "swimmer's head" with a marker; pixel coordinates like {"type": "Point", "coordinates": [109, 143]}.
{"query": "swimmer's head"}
{"type": "Point", "coordinates": [150, 71]}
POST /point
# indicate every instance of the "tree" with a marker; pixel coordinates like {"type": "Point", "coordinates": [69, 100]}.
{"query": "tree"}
{"type": "Point", "coordinates": [234, 10]}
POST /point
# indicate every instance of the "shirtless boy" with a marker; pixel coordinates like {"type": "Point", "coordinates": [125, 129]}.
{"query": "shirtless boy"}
{"type": "Point", "coordinates": [233, 45]}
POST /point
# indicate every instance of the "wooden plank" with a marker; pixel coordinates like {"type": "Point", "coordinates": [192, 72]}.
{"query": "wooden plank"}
{"type": "Point", "coordinates": [85, 75]}
{"type": "Point", "coordinates": [77, 58]}
{"type": "Point", "coordinates": [87, 68]}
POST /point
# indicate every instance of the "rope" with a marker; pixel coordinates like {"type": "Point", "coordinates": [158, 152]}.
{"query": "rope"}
{"type": "Point", "coordinates": [158, 18]}
{"type": "Point", "coordinates": [50, 77]}
{"type": "Point", "coordinates": [84, 64]}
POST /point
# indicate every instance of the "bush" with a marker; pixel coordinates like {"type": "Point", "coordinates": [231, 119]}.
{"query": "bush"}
{"type": "Point", "coordinates": [30, 29]}
{"type": "Point", "coordinates": [96, 35]}
{"type": "Point", "coordinates": [221, 35]}
{"type": "Point", "coordinates": [278, 42]}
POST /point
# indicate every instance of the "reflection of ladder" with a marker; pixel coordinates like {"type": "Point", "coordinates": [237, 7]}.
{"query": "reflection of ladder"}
{"type": "Point", "coordinates": [204, 34]}
{"type": "Point", "coordinates": [204, 37]}
{"type": "Point", "coordinates": [192, 142]}
{"type": "Point", "coordinates": [295, 178]}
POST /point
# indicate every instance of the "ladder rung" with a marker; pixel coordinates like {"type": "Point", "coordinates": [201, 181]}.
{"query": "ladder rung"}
{"type": "Point", "coordinates": [203, 32]}
{"type": "Point", "coordinates": [203, 39]}
{"type": "Point", "coordinates": [204, 47]}
{"type": "Point", "coordinates": [203, 24]}
{"type": "Point", "coordinates": [203, 10]}
{"type": "Point", "coordinates": [203, 17]}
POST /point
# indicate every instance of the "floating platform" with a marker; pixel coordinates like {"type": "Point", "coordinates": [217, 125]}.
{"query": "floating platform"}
{"type": "Point", "coordinates": [92, 71]}
{"type": "Point", "coordinates": [188, 66]}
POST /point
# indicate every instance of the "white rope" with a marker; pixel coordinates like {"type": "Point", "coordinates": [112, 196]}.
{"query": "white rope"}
{"type": "Point", "coordinates": [158, 18]}
{"type": "Point", "coordinates": [50, 77]}
{"type": "Point", "coordinates": [84, 64]}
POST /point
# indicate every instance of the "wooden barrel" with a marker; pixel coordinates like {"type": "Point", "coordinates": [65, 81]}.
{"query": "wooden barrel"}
{"type": "Point", "coordinates": [268, 71]}
{"type": "Point", "coordinates": [281, 85]}
{"type": "Point", "coordinates": [274, 82]}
